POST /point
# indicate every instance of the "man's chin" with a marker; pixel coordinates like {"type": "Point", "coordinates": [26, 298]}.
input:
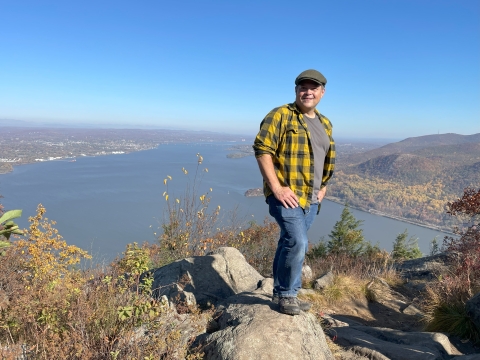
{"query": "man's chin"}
{"type": "Point", "coordinates": [308, 104]}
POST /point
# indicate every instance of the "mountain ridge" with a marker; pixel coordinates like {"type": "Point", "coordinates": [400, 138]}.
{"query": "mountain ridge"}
{"type": "Point", "coordinates": [413, 144]}
{"type": "Point", "coordinates": [412, 179]}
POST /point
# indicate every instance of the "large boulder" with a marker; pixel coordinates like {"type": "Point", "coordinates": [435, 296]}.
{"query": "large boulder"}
{"type": "Point", "coordinates": [473, 309]}
{"type": "Point", "coordinates": [251, 327]}
{"type": "Point", "coordinates": [210, 278]}
{"type": "Point", "coordinates": [323, 281]}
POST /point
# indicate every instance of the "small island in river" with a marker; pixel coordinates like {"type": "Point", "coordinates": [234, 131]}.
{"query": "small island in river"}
{"type": "Point", "coordinates": [254, 192]}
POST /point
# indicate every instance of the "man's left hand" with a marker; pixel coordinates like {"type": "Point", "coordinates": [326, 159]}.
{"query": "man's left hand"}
{"type": "Point", "coordinates": [321, 194]}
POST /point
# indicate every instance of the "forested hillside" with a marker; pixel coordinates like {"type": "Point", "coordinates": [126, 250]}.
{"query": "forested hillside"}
{"type": "Point", "coordinates": [412, 179]}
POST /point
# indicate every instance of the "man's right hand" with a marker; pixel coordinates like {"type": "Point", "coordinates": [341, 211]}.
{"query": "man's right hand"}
{"type": "Point", "coordinates": [282, 193]}
{"type": "Point", "coordinates": [286, 196]}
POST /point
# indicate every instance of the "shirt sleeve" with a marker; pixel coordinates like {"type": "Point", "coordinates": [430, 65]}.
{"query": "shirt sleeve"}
{"type": "Point", "coordinates": [268, 137]}
{"type": "Point", "coordinates": [329, 164]}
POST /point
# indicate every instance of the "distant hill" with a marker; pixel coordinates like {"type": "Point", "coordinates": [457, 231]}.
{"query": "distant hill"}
{"type": "Point", "coordinates": [415, 145]}
{"type": "Point", "coordinates": [408, 168]}
{"type": "Point", "coordinates": [413, 178]}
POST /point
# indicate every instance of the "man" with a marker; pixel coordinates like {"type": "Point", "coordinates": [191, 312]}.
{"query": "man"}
{"type": "Point", "coordinates": [296, 155]}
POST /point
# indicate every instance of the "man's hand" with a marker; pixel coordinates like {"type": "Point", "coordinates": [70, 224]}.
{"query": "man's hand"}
{"type": "Point", "coordinates": [286, 196]}
{"type": "Point", "coordinates": [321, 194]}
{"type": "Point", "coordinates": [282, 193]}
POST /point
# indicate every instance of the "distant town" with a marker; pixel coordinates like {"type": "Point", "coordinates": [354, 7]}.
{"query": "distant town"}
{"type": "Point", "coordinates": [28, 145]}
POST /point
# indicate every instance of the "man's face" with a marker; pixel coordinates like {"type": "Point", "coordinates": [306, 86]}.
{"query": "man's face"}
{"type": "Point", "coordinates": [308, 95]}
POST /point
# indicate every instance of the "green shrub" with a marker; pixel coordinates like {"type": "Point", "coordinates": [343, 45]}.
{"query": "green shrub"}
{"type": "Point", "coordinates": [319, 250]}
{"type": "Point", "coordinates": [8, 226]}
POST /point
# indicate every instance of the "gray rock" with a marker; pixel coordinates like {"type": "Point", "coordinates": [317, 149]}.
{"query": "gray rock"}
{"type": "Point", "coordinates": [473, 309]}
{"type": "Point", "coordinates": [467, 357]}
{"type": "Point", "coordinates": [380, 292]}
{"type": "Point", "coordinates": [425, 268]}
{"type": "Point", "coordinates": [346, 320]}
{"type": "Point", "coordinates": [332, 322]}
{"type": "Point", "coordinates": [415, 286]}
{"type": "Point", "coordinates": [184, 297]}
{"type": "Point", "coordinates": [307, 273]}
{"type": "Point", "coordinates": [209, 278]}
{"type": "Point", "coordinates": [412, 310]}
{"type": "Point", "coordinates": [395, 344]}
{"type": "Point", "coordinates": [252, 328]}
{"type": "Point", "coordinates": [265, 286]}
{"type": "Point", "coordinates": [323, 281]}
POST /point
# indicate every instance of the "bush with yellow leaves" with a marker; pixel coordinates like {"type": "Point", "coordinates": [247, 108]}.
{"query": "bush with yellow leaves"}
{"type": "Point", "coordinates": [51, 309]}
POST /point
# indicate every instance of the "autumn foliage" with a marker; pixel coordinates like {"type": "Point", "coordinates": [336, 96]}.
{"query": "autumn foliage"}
{"type": "Point", "coordinates": [445, 299]}
{"type": "Point", "coordinates": [467, 245]}
{"type": "Point", "coordinates": [51, 308]}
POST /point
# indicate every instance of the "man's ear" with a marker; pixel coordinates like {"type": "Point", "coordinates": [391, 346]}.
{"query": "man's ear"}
{"type": "Point", "coordinates": [323, 91]}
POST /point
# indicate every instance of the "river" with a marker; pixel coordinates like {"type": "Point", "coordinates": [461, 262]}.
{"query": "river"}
{"type": "Point", "coordinates": [103, 203]}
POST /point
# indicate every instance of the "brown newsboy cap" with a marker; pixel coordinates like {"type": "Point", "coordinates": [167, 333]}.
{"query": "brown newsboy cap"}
{"type": "Point", "coordinates": [312, 75]}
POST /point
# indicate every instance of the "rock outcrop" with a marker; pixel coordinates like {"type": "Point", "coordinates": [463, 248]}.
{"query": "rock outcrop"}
{"type": "Point", "coordinates": [248, 324]}
{"type": "Point", "coordinates": [382, 343]}
{"type": "Point", "coordinates": [250, 327]}
{"type": "Point", "coordinates": [209, 278]}
{"type": "Point", "coordinates": [425, 268]}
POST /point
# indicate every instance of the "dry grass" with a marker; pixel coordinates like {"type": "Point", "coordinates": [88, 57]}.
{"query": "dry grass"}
{"type": "Point", "coordinates": [445, 312]}
{"type": "Point", "coordinates": [352, 273]}
{"type": "Point", "coordinates": [360, 267]}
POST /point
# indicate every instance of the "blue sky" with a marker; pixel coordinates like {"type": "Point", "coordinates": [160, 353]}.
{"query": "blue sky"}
{"type": "Point", "coordinates": [395, 68]}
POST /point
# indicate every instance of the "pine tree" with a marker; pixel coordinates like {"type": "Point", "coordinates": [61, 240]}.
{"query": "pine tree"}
{"type": "Point", "coordinates": [406, 249]}
{"type": "Point", "coordinates": [346, 236]}
{"type": "Point", "coordinates": [434, 248]}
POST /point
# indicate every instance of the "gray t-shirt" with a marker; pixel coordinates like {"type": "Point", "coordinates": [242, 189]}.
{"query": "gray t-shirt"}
{"type": "Point", "coordinates": [320, 145]}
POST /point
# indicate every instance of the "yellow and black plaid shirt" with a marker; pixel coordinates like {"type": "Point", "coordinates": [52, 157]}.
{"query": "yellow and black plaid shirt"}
{"type": "Point", "coordinates": [284, 135]}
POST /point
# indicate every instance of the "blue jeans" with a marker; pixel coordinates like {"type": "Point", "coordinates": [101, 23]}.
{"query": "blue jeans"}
{"type": "Point", "coordinates": [292, 246]}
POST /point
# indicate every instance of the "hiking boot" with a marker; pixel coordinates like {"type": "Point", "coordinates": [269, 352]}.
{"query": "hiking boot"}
{"type": "Point", "coordinates": [303, 305]}
{"type": "Point", "coordinates": [289, 305]}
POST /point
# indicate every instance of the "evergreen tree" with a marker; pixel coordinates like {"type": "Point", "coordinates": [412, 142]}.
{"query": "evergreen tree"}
{"type": "Point", "coordinates": [346, 236]}
{"type": "Point", "coordinates": [406, 249]}
{"type": "Point", "coordinates": [318, 251]}
{"type": "Point", "coordinates": [434, 248]}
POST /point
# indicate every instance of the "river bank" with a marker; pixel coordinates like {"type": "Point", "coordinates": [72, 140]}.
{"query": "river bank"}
{"type": "Point", "coordinates": [259, 192]}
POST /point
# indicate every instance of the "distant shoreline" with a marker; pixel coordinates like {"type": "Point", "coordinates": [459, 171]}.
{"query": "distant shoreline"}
{"type": "Point", "coordinates": [20, 146]}
{"type": "Point", "coordinates": [71, 158]}
{"type": "Point", "coordinates": [259, 192]}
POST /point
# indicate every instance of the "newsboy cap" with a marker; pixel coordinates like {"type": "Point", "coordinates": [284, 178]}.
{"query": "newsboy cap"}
{"type": "Point", "coordinates": [312, 75]}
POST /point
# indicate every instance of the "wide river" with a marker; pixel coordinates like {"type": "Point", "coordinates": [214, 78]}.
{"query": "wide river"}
{"type": "Point", "coordinates": [103, 203]}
